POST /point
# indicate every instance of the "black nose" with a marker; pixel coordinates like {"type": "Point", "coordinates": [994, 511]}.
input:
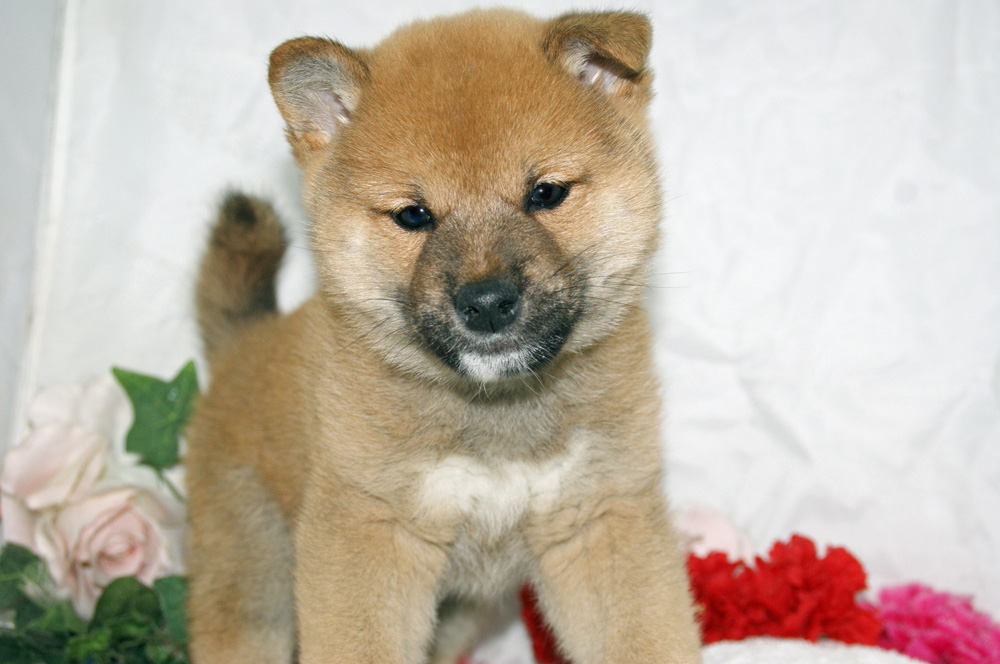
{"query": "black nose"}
{"type": "Point", "coordinates": [488, 306]}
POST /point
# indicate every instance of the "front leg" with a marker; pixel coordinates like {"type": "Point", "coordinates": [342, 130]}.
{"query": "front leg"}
{"type": "Point", "coordinates": [364, 584]}
{"type": "Point", "coordinates": [615, 590]}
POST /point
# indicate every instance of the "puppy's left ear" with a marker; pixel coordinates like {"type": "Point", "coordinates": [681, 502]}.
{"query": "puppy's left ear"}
{"type": "Point", "coordinates": [605, 50]}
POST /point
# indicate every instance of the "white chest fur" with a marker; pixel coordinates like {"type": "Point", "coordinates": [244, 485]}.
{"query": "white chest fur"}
{"type": "Point", "coordinates": [492, 498]}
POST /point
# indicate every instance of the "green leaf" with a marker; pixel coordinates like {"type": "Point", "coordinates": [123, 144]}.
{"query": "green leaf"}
{"type": "Point", "coordinates": [159, 654]}
{"type": "Point", "coordinates": [173, 593]}
{"type": "Point", "coordinates": [58, 619]}
{"type": "Point", "coordinates": [14, 559]}
{"type": "Point", "coordinates": [126, 599]}
{"type": "Point", "coordinates": [39, 585]}
{"type": "Point", "coordinates": [90, 646]}
{"type": "Point", "coordinates": [26, 613]}
{"type": "Point", "coordinates": [162, 410]}
{"type": "Point", "coordinates": [31, 647]}
{"type": "Point", "coordinates": [17, 566]}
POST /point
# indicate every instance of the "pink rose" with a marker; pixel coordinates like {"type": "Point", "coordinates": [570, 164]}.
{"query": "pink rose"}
{"type": "Point", "coordinates": [64, 455]}
{"type": "Point", "coordinates": [55, 464]}
{"type": "Point", "coordinates": [119, 532]}
{"type": "Point", "coordinates": [703, 530]}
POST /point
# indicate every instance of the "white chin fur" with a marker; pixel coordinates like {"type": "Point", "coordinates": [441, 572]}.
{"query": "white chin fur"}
{"type": "Point", "coordinates": [488, 367]}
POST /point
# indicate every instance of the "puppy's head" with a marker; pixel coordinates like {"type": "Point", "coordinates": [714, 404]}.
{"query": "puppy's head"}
{"type": "Point", "coordinates": [482, 188]}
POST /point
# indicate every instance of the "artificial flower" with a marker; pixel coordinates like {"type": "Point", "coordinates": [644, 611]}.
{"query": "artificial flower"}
{"type": "Point", "coordinates": [794, 593]}
{"type": "Point", "coordinates": [936, 627]}
{"type": "Point", "coordinates": [53, 465]}
{"type": "Point", "coordinates": [107, 535]}
{"type": "Point", "coordinates": [704, 530]}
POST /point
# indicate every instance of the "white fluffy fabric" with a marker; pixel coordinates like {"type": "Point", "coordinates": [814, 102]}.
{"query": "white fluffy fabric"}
{"type": "Point", "coordinates": [794, 651]}
{"type": "Point", "coordinates": [511, 645]}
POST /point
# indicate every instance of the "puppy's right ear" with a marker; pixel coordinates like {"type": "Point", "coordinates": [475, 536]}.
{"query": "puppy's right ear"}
{"type": "Point", "coordinates": [316, 84]}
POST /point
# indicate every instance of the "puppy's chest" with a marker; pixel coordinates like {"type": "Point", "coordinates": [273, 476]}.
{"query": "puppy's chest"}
{"type": "Point", "coordinates": [486, 500]}
{"type": "Point", "coordinates": [484, 505]}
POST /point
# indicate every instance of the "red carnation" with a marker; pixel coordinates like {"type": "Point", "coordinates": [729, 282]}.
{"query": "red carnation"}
{"type": "Point", "coordinates": [794, 593]}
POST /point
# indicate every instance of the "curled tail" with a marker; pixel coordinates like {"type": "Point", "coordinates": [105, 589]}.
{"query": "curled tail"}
{"type": "Point", "coordinates": [236, 280]}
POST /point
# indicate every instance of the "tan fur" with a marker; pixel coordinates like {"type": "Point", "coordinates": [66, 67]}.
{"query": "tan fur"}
{"type": "Point", "coordinates": [236, 282]}
{"type": "Point", "coordinates": [363, 486]}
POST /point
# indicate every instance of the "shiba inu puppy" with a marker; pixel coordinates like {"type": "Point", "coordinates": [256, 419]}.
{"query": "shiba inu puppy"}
{"type": "Point", "coordinates": [468, 402]}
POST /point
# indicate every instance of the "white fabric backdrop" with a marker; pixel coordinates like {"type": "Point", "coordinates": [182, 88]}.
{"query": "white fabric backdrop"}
{"type": "Point", "coordinates": [27, 63]}
{"type": "Point", "coordinates": [827, 301]}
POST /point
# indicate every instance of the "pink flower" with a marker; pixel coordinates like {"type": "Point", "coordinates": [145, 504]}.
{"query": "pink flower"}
{"type": "Point", "coordinates": [703, 531]}
{"type": "Point", "coordinates": [119, 532]}
{"type": "Point", "coordinates": [55, 464]}
{"type": "Point", "coordinates": [936, 627]}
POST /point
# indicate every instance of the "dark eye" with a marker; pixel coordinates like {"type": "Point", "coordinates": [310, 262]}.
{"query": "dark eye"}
{"type": "Point", "coordinates": [546, 195]}
{"type": "Point", "coordinates": [414, 217]}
